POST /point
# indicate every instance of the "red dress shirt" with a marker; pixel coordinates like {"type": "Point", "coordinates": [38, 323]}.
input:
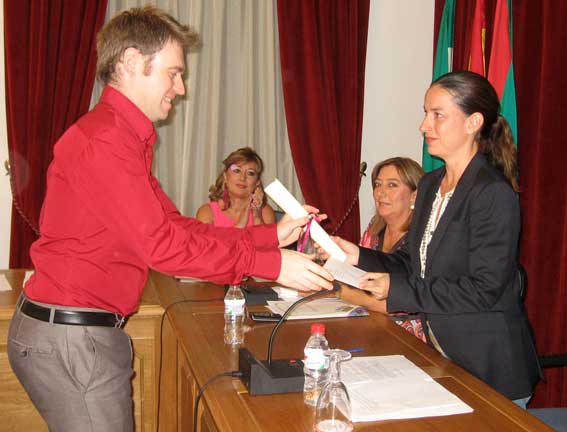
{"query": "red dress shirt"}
{"type": "Point", "coordinates": [105, 220]}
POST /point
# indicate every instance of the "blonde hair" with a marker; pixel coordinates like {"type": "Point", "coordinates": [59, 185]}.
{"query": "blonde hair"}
{"type": "Point", "coordinates": [410, 173]}
{"type": "Point", "coordinates": [244, 154]}
{"type": "Point", "coordinates": [147, 29]}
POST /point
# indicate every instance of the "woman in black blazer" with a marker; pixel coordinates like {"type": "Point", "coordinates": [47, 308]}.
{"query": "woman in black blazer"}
{"type": "Point", "coordinates": [459, 267]}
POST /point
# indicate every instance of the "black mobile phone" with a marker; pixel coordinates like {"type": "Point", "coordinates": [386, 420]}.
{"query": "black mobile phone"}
{"type": "Point", "coordinates": [265, 317]}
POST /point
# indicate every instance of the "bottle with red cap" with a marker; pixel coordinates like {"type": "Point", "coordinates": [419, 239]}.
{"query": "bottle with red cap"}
{"type": "Point", "coordinates": [316, 364]}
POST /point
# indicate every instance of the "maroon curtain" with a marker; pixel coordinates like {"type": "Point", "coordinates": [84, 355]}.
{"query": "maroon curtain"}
{"type": "Point", "coordinates": [50, 65]}
{"type": "Point", "coordinates": [540, 34]}
{"type": "Point", "coordinates": [323, 54]}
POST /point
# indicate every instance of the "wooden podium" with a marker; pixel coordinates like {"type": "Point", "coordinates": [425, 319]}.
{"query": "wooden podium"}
{"type": "Point", "coordinates": [17, 413]}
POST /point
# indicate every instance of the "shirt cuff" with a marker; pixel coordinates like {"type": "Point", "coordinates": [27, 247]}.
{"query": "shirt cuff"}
{"type": "Point", "coordinates": [264, 236]}
{"type": "Point", "coordinates": [267, 264]}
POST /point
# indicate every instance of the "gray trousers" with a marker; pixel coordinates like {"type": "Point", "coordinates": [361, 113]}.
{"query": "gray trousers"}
{"type": "Point", "coordinates": [79, 378]}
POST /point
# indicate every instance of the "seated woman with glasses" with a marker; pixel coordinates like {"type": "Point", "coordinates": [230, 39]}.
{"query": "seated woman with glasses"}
{"type": "Point", "coordinates": [394, 182]}
{"type": "Point", "coordinates": [237, 198]}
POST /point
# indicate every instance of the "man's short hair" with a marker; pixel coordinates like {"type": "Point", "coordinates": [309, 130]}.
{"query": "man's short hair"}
{"type": "Point", "coordinates": [147, 29]}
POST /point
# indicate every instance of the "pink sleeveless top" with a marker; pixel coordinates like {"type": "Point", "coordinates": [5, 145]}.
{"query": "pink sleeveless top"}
{"type": "Point", "coordinates": [222, 220]}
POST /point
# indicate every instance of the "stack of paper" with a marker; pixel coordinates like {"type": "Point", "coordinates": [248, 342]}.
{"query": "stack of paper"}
{"type": "Point", "coordinates": [392, 387]}
{"type": "Point", "coordinates": [188, 279]}
{"type": "Point", "coordinates": [286, 293]}
{"type": "Point", "coordinates": [4, 284]}
{"type": "Point", "coordinates": [320, 308]}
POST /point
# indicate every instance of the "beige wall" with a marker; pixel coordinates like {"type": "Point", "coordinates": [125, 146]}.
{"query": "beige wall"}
{"type": "Point", "coordinates": [398, 71]}
{"type": "Point", "coordinates": [5, 194]}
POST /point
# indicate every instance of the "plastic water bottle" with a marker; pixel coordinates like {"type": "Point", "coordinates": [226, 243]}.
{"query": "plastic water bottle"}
{"type": "Point", "coordinates": [234, 315]}
{"type": "Point", "coordinates": [316, 364]}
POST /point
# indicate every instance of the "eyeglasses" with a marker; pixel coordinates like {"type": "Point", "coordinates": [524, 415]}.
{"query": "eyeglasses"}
{"type": "Point", "coordinates": [250, 172]}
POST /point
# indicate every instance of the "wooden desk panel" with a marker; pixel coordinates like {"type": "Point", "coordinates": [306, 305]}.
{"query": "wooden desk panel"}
{"type": "Point", "coordinates": [17, 412]}
{"type": "Point", "coordinates": [201, 354]}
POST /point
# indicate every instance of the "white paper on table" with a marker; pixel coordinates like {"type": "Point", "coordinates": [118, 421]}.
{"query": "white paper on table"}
{"type": "Point", "coordinates": [188, 279]}
{"type": "Point", "coordinates": [316, 309]}
{"type": "Point", "coordinates": [344, 272]}
{"type": "Point", "coordinates": [27, 276]}
{"type": "Point", "coordinates": [4, 284]}
{"type": "Point", "coordinates": [392, 387]}
{"type": "Point", "coordinates": [290, 205]}
{"type": "Point", "coordinates": [286, 293]}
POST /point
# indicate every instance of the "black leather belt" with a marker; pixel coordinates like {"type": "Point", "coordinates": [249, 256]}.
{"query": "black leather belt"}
{"type": "Point", "coordinates": [70, 317]}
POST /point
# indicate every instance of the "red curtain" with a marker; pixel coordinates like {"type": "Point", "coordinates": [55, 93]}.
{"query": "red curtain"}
{"type": "Point", "coordinates": [323, 54]}
{"type": "Point", "coordinates": [50, 65]}
{"type": "Point", "coordinates": [539, 33]}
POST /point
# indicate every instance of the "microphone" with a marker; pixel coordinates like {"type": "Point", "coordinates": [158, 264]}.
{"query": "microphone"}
{"type": "Point", "coordinates": [275, 376]}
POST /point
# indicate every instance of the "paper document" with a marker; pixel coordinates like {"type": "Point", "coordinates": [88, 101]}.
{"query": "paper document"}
{"type": "Point", "coordinates": [4, 284]}
{"type": "Point", "coordinates": [392, 387]}
{"type": "Point", "coordinates": [320, 308]}
{"type": "Point", "coordinates": [290, 205]}
{"type": "Point", "coordinates": [188, 279]}
{"type": "Point", "coordinates": [27, 275]}
{"type": "Point", "coordinates": [344, 272]}
{"type": "Point", "coordinates": [286, 293]}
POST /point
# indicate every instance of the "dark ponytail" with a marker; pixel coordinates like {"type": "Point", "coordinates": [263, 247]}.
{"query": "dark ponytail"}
{"type": "Point", "coordinates": [501, 151]}
{"type": "Point", "coordinates": [474, 93]}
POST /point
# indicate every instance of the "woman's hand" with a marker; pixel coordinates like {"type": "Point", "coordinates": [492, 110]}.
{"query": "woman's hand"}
{"type": "Point", "coordinates": [242, 217]}
{"type": "Point", "coordinates": [256, 199]}
{"type": "Point", "coordinates": [362, 298]}
{"type": "Point", "coordinates": [351, 250]}
{"type": "Point", "coordinates": [289, 229]}
{"type": "Point", "coordinates": [377, 283]}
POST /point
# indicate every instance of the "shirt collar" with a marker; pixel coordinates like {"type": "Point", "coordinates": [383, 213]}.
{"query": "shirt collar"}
{"type": "Point", "coordinates": [142, 125]}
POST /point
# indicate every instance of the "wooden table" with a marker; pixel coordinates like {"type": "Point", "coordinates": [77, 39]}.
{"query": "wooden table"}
{"type": "Point", "coordinates": [194, 351]}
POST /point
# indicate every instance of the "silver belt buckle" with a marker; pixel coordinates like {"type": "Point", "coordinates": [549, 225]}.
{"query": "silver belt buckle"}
{"type": "Point", "coordinates": [119, 321]}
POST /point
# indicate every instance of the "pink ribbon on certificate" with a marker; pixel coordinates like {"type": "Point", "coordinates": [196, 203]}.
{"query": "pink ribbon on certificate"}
{"type": "Point", "coordinates": [302, 242]}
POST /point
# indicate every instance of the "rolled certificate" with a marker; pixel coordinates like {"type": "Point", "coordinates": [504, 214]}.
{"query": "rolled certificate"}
{"type": "Point", "coordinates": [290, 205]}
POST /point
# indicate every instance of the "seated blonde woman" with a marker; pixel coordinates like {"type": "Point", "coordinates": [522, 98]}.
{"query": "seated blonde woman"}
{"type": "Point", "coordinates": [237, 198]}
{"type": "Point", "coordinates": [395, 187]}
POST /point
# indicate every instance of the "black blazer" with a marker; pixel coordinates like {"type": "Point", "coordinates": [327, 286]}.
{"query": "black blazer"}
{"type": "Point", "coordinates": [470, 293]}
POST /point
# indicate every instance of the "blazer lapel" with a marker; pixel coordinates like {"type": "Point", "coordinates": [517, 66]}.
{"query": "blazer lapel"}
{"type": "Point", "coordinates": [422, 212]}
{"type": "Point", "coordinates": [462, 190]}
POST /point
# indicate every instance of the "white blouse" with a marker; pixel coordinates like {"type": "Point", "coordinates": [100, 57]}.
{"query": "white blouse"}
{"type": "Point", "coordinates": [437, 209]}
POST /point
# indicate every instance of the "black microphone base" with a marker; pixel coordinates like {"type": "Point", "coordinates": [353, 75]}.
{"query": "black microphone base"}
{"type": "Point", "coordinates": [281, 376]}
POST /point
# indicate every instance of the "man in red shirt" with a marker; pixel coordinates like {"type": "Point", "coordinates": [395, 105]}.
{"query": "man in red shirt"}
{"type": "Point", "coordinates": [105, 221]}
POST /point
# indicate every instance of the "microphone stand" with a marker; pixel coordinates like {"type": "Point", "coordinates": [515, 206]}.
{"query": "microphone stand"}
{"type": "Point", "coordinates": [362, 173]}
{"type": "Point", "coordinates": [290, 309]}
{"type": "Point", "coordinates": [275, 376]}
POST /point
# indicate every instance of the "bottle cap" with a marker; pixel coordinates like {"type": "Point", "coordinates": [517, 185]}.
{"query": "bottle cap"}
{"type": "Point", "coordinates": [317, 328]}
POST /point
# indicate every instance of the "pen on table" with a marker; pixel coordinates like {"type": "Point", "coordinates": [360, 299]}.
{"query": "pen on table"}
{"type": "Point", "coordinates": [355, 350]}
